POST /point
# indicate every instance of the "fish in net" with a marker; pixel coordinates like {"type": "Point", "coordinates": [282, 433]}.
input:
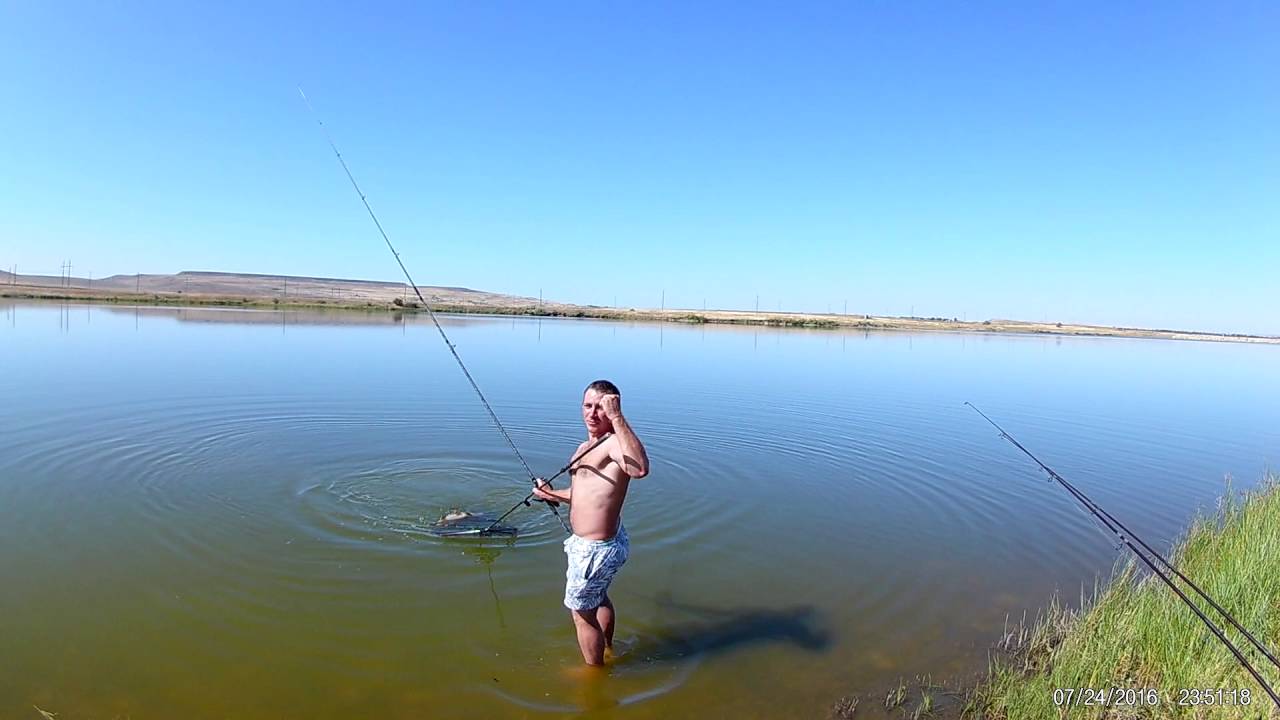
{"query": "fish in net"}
{"type": "Point", "coordinates": [460, 523]}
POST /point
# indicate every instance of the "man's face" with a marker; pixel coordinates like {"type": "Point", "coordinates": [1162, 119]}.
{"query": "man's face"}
{"type": "Point", "coordinates": [593, 415]}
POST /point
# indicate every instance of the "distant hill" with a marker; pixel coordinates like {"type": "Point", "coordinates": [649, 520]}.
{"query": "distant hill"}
{"type": "Point", "coordinates": [248, 289]}
{"type": "Point", "coordinates": [255, 286]}
{"type": "Point", "coordinates": [301, 279]}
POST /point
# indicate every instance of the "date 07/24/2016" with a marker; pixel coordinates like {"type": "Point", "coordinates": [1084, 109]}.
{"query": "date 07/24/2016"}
{"type": "Point", "coordinates": [1139, 697]}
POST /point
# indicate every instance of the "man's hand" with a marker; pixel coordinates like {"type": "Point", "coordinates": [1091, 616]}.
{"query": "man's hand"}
{"type": "Point", "coordinates": [612, 406]}
{"type": "Point", "coordinates": [540, 488]}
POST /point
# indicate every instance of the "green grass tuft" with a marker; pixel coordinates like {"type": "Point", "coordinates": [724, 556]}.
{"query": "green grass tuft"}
{"type": "Point", "coordinates": [1136, 633]}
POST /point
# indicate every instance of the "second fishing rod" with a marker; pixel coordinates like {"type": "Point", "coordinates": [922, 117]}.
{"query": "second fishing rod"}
{"type": "Point", "coordinates": [1149, 557]}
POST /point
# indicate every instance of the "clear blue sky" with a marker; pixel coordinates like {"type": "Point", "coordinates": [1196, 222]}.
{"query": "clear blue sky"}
{"type": "Point", "coordinates": [1101, 162]}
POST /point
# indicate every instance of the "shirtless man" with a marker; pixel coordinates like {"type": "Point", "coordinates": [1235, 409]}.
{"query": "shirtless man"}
{"type": "Point", "coordinates": [598, 486]}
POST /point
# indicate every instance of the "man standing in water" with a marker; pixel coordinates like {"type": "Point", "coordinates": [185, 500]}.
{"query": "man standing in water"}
{"type": "Point", "coordinates": [598, 486]}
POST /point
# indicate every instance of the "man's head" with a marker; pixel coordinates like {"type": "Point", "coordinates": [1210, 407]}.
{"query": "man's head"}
{"type": "Point", "coordinates": [593, 414]}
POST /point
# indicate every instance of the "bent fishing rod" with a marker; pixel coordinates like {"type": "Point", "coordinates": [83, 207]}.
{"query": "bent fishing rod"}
{"type": "Point", "coordinates": [562, 470]}
{"type": "Point", "coordinates": [452, 349]}
{"type": "Point", "coordinates": [1127, 538]}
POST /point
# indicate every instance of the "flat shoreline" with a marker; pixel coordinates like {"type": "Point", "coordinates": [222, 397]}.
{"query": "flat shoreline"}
{"type": "Point", "coordinates": [1132, 640]}
{"type": "Point", "coordinates": [1136, 635]}
{"type": "Point", "coordinates": [507, 305]}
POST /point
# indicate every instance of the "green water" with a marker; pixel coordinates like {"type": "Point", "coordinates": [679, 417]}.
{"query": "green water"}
{"type": "Point", "coordinates": [220, 513]}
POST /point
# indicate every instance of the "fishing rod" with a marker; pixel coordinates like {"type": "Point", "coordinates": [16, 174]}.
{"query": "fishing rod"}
{"type": "Point", "coordinates": [1126, 537]}
{"type": "Point", "coordinates": [452, 349]}
{"type": "Point", "coordinates": [562, 470]}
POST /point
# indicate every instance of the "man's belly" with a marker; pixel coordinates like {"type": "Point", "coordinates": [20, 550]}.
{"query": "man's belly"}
{"type": "Point", "coordinates": [596, 516]}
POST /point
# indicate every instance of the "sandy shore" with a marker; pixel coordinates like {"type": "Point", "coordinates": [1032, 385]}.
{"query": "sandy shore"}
{"type": "Point", "coordinates": [245, 290]}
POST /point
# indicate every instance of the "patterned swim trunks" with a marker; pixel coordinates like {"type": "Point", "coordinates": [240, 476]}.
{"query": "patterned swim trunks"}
{"type": "Point", "coordinates": [592, 565]}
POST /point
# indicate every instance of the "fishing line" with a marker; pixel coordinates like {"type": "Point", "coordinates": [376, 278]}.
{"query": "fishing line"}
{"type": "Point", "coordinates": [1128, 537]}
{"type": "Point", "coordinates": [452, 349]}
{"type": "Point", "coordinates": [562, 470]}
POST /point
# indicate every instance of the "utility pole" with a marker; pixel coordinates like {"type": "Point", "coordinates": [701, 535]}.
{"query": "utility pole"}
{"type": "Point", "coordinates": [664, 299]}
{"type": "Point", "coordinates": [846, 307]}
{"type": "Point", "coordinates": [137, 283]}
{"type": "Point", "coordinates": [757, 303]}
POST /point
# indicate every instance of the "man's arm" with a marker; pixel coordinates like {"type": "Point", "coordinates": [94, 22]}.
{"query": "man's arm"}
{"type": "Point", "coordinates": [543, 491]}
{"type": "Point", "coordinates": [626, 450]}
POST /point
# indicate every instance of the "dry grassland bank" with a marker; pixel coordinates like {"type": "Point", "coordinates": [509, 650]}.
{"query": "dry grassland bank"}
{"type": "Point", "coordinates": [463, 303]}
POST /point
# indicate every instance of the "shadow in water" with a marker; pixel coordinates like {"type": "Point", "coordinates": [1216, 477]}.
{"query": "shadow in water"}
{"type": "Point", "coordinates": [719, 630]}
{"type": "Point", "coordinates": [486, 556]}
{"type": "Point", "coordinates": [666, 657]}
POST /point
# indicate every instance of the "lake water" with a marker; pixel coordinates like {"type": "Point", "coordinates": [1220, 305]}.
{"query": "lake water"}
{"type": "Point", "coordinates": [210, 513]}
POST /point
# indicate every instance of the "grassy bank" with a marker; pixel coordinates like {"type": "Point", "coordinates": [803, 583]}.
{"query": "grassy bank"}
{"type": "Point", "coordinates": [487, 304]}
{"type": "Point", "coordinates": [1136, 633]}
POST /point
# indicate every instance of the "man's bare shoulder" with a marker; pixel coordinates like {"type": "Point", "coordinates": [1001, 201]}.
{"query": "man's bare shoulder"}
{"type": "Point", "coordinates": [604, 448]}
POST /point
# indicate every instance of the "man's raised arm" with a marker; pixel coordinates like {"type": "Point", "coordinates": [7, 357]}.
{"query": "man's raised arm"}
{"type": "Point", "coordinates": [627, 450]}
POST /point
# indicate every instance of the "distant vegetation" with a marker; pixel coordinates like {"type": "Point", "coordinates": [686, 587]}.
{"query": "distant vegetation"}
{"type": "Point", "coordinates": [280, 292]}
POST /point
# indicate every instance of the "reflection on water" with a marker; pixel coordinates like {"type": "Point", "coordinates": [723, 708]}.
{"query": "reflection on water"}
{"type": "Point", "coordinates": [247, 491]}
{"type": "Point", "coordinates": [486, 556]}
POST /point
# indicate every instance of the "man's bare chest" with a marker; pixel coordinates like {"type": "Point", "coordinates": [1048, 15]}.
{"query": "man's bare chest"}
{"type": "Point", "coordinates": [591, 474]}
{"type": "Point", "coordinates": [597, 467]}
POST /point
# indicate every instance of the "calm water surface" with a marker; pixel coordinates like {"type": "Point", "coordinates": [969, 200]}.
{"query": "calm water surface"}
{"type": "Point", "coordinates": [219, 513]}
